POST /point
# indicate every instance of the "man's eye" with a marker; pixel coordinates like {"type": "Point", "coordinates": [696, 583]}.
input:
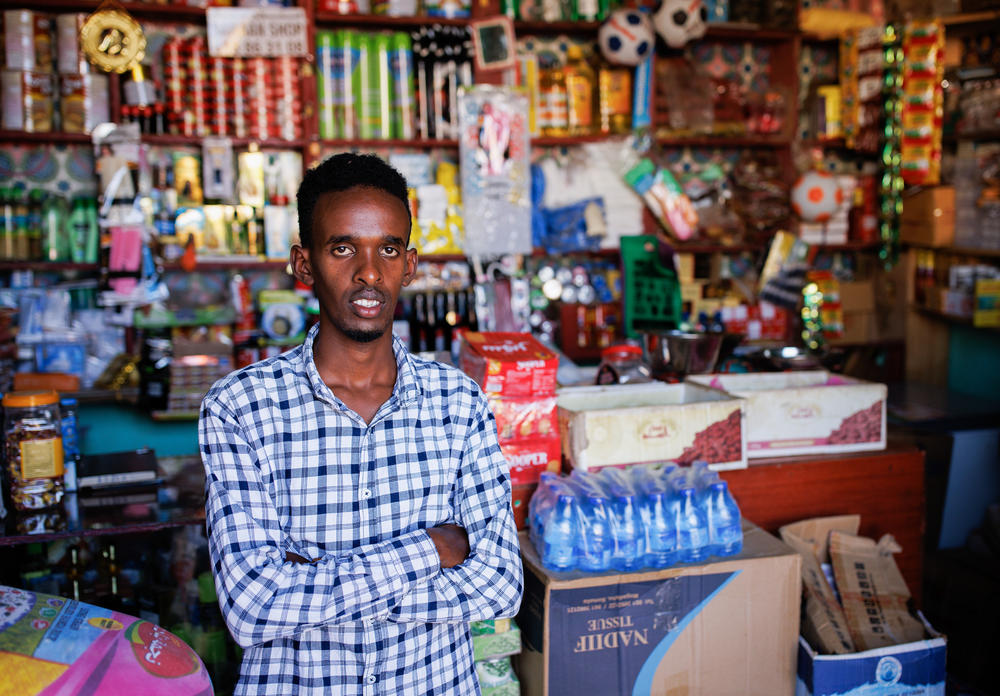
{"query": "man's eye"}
{"type": "Point", "coordinates": [390, 251]}
{"type": "Point", "coordinates": [341, 250]}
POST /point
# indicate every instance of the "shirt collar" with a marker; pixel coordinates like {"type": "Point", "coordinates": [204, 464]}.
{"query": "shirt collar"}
{"type": "Point", "coordinates": [407, 387]}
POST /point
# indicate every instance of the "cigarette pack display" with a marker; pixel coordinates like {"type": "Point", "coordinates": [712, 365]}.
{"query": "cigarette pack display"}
{"type": "Point", "coordinates": [808, 412]}
{"type": "Point", "coordinates": [509, 364]}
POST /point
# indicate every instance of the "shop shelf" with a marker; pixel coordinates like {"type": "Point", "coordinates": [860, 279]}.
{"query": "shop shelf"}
{"type": "Point", "coordinates": [566, 140]}
{"type": "Point", "coordinates": [143, 10]}
{"type": "Point", "coordinates": [356, 144]}
{"type": "Point", "coordinates": [849, 246]}
{"type": "Point", "coordinates": [168, 416]}
{"type": "Point", "coordinates": [384, 21]}
{"type": "Point", "coordinates": [170, 140]}
{"type": "Point", "coordinates": [951, 318]}
{"type": "Point", "coordinates": [15, 137]}
{"type": "Point", "coordinates": [42, 266]}
{"type": "Point", "coordinates": [539, 27]}
{"type": "Point", "coordinates": [992, 134]}
{"type": "Point", "coordinates": [961, 251]}
{"type": "Point", "coordinates": [722, 141]}
{"type": "Point", "coordinates": [240, 264]}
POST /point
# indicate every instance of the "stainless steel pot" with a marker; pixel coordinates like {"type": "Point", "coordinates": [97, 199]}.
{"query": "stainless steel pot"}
{"type": "Point", "coordinates": [682, 352]}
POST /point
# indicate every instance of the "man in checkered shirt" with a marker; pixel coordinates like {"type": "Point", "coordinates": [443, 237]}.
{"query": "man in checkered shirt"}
{"type": "Point", "coordinates": [358, 504]}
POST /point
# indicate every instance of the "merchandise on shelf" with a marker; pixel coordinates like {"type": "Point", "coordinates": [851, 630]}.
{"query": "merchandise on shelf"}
{"type": "Point", "coordinates": [33, 449]}
{"type": "Point", "coordinates": [923, 99]}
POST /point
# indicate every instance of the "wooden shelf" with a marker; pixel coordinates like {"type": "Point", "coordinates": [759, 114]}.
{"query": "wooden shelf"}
{"type": "Point", "coordinates": [993, 134]}
{"type": "Point", "coordinates": [848, 246]}
{"type": "Point", "coordinates": [169, 140]}
{"type": "Point", "coordinates": [731, 31]}
{"type": "Point", "coordinates": [376, 144]}
{"type": "Point", "coordinates": [723, 141]}
{"type": "Point", "coordinates": [441, 258]}
{"type": "Point", "coordinates": [43, 266]}
{"type": "Point", "coordinates": [17, 137]}
{"type": "Point", "coordinates": [142, 10]}
{"type": "Point", "coordinates": [173, 416]}
{"type": "Point", "coordinates": [951, 318]}
{"type": "Point", "coordinates": [566, 140]}
{"type": "Point", "coordinates": [960, 251]}
{"type": "Point", "coordinates": [370, 20]}
{"type": "Point", "coordinates": [537, 27]}
{"type": "Point", "coordinates": [233, 265]}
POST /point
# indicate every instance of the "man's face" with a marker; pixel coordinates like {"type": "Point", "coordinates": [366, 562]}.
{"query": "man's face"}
{"type": "Point", "coordinates": [358, 260]}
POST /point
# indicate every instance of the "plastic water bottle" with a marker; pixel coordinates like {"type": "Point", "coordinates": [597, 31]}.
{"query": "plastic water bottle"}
{"type": "Point", "coordinates": [541, 503]}
{"type": "Point", "coordinates": [626, 531]}
{"type": "Point", "coordinates": [594, 537]}
{"type": "Point", "coordinates": [692, 529]}
{"type": "Point", "coordinates": [559, 534]}
{"type": "Point", "coordinates": [725, 532]}
{"type": "Point", "coordinates": [661, 531]}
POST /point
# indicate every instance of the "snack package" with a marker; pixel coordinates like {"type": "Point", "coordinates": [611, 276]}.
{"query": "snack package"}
{"type": "Point", "coordinates": [665, 198]}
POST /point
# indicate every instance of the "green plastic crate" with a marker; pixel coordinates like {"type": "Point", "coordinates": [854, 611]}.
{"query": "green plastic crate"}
{"type": "Point", "coordinates": [652, 292]}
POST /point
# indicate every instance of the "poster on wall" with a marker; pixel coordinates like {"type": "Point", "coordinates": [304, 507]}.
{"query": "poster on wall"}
{"type": "Point", "coordinates": [495, 169]}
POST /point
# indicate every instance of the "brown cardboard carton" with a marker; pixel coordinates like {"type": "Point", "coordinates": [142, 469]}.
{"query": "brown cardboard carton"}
{"type": "Point", "coordinates": [857, 296]}
{"type": "Point", "coordinates": [728, 626]}
{"type": "Point", "coordinates": [824, 624]}
{"type": "Point", "coordinates": [873, 592]}
{"type": "Point", "coordinates": [928, 217]}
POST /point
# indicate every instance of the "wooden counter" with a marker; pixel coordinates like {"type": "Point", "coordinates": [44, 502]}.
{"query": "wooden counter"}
{"type": "Point", "coordinates": [886, 488]}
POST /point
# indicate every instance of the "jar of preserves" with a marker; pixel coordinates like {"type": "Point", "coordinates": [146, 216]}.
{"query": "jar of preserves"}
{"type": "Point", "coordinates": [623, 364]}
{"type": "Point", "coordinates": [33, 449]}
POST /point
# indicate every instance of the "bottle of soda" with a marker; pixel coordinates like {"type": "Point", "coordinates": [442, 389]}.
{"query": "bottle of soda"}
{"type": "Point", "coordinates": [692, 529]}
{"type": "Point", "coordinates": [594, 541]}
{"type": "Point", "coordinates": [559, 535]}
{"type": "Point", "coordinates": [725, 533]}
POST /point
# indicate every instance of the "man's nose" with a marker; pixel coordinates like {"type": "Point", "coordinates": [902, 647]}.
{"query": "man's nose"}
{"type": "Point", "coordinates": [368, 271]}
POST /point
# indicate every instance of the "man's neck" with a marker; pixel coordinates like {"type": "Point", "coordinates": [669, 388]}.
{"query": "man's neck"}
{"type": "Point", "coordinates": [343, 362]}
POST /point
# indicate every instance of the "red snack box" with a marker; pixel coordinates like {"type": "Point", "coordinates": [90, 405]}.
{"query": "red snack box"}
{"type": "Point", "coordinates": [520, 418]}
{"type": "Point", "coordinates": [509, 364]}
{"type": "Point", "coordinates": [530, 458]}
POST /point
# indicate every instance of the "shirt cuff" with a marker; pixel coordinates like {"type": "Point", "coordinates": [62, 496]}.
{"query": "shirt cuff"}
{"type": "Point", "coordinates": [416, 555]}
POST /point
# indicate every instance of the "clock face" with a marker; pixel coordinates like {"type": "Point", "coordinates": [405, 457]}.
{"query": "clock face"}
{"type": "Point", "coordinates": [14, 605]}
{"type": "Point", "coordinates": [113, 41]}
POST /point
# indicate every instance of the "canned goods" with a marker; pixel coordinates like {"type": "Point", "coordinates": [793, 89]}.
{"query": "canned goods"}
{"type": "Point", "coordinates": [27, 100]}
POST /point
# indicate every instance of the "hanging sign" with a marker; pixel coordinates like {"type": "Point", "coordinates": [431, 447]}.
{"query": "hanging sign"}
{"type": "Point", "coordinates": [255, 32]}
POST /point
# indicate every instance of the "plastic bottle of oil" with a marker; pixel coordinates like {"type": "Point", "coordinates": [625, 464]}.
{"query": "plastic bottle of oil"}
{"type": "Point", "coordinates": [614, 87]}
{"type": "Point", "coordinates": [553, 101]}
{"type": "Point", "coordinates": [581, 90]}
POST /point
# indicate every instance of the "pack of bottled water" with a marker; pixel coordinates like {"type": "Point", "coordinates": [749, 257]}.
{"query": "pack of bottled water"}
{"type": "Point", "coordinates": [626, 519]}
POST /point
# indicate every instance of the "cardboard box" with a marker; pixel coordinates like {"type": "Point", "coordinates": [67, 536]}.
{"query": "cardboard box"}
{"type": "Point", "coordinates": [728, 626]}
{"type": "Point", "coordinates": [632, 423]}
{"type": "Point", "coordinates": [859, 327]}
{"type": "Point", "coordinates": [857, 296]}
{"type": "Point", "coordinates": [529, 458]}
{"type": "Point", "coordinates": [509, 364]}
{"type": "Point", "coordinates": [808, 412]}
{"type": "Point", "coordinates": [928, 217]}
{"type": "Point", "coordinates": [911, 669]}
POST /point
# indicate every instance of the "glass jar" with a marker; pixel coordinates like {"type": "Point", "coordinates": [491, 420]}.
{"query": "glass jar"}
{"type": "Point", "coordinates": [623, 364]}
{"type": "Point", "coordinates": [33, 449]}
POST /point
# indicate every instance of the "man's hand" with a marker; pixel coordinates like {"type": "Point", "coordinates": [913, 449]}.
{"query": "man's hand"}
{"type": "Point", "coordinates": [451, 542]}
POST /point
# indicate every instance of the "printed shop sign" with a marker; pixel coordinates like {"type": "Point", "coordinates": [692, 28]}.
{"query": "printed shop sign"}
{"type": "Point", "coordinates": [257, 32]}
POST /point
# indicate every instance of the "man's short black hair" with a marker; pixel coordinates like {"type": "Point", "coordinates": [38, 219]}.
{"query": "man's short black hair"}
{"type": "Point", "coordinates": [339, 173]}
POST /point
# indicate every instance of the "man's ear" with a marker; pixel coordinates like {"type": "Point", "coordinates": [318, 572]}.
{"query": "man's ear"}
{"type": "Point", "coordinates": [301, 268]}
{"type": "Point", "coordinates": [411, 266]}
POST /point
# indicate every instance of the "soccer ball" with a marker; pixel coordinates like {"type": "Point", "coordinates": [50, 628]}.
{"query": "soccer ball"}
{"type": "Point", "coordinates": [679, 21]}
{"type": "Point", "coordinates": [816, 196]}
{"type": "Point", "coordinates": [626, 38]}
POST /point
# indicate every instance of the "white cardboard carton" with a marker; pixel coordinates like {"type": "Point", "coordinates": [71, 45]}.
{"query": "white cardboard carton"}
{"type": "Point", "coordinates": [623, 424]}
{"type": "Point", "coordinates": [809, 412]}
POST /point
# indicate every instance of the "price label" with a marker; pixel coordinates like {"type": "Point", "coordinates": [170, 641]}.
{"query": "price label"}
{"type": "Point", "coordinates": [257, 32]}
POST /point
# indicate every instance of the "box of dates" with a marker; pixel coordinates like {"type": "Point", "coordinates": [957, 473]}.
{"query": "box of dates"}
{"type": "Point", "coordinates": [618, 425]}
{"type": "Point", "coordinates": [807, 412]}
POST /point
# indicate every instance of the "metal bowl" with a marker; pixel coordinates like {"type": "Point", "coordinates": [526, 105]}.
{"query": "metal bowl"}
{"type": "Point", "coordinates": [682, 352]}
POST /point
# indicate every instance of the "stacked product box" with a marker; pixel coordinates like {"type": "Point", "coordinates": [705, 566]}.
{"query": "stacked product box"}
{"type": "Point", "coordinates": [518, 375]}
{"type": "Point", "coordinates": [493, 642]}
{"type": "Point", "coordinates": [621, 425]}
{"type": "Point", "coordinates": [807, 412]}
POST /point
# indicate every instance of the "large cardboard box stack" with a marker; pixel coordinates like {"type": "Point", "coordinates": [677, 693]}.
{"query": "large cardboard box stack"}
{"type": "Point", "coordinates": [518, 374]}
{"type": "Point", "coordinates": [808, 412]}
{"type": "Point", "coordinates": [616, 425]}
{"type": "Point", "coordinates": [857, 302]}
{"type": "Point", "coordinates": [862, 639]}
{"type": "Point", "coordinates": [718, 628]}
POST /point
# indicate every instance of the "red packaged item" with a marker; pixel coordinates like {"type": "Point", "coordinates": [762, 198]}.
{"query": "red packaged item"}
{"type": "Point", "coordinates": [529, 458]}
{"type": "Point", "coordinates": [525, 418]}
{"type": "Point", "coordinates": [509, 364]}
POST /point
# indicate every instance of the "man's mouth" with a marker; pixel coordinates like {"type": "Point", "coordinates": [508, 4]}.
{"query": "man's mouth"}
{"type": "Point", "coordinates": [367, 307]}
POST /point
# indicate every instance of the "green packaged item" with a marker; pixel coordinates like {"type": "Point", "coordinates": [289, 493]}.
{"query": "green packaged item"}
{"type": "Point", "coordinates": [490, 646]}
{"type": "Point", "coordinates": [497, 678]}
{"type": "Point", "coordinates": [403, 97]}
{"type": "Point", "coordinates": [381, 93]}
{"type": "Point", "coordinates": [326, 85]}
{"type": "Point", "coordinates": [491, 626]}
{"type": "Point", "coordinates": [509, 689]}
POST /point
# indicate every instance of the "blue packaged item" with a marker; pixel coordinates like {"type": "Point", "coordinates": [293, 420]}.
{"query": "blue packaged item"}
{"type": "Point", "coordinates": [725, 532]}
{"type": "Point", "coordinates": [70, 358]}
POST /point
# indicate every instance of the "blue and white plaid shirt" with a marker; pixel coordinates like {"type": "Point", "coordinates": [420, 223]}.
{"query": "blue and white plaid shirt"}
{"type": "Point", "coordinates": [290, 468]}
